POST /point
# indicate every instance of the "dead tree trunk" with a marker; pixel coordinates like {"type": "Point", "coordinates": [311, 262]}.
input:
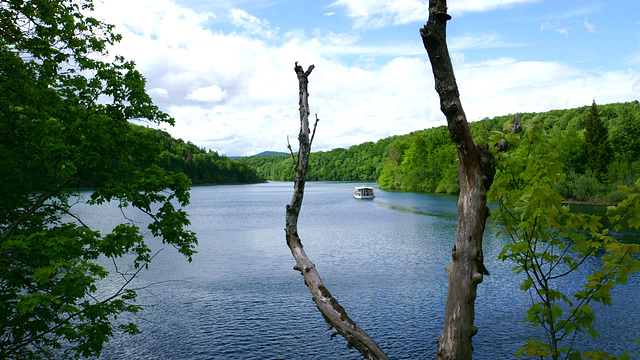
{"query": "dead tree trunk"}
{"type": "Point", "coordinates": [329, 307]}
{"type": "Point", "coordinates": [475, 173]}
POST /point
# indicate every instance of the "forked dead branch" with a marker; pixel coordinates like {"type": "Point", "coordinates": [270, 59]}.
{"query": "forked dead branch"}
{"type": "Point", "coordinates": [331, 310]}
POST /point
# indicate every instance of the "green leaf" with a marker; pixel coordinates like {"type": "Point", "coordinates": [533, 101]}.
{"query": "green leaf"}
{"type": "Point", "coordinates": [592, 331]}
{"type": "Point", "coordinates": [634, 221]}
{"type": "Point", "coordinates": [625, 356]}
{"type": "Point", "coordinates": [526, 284]}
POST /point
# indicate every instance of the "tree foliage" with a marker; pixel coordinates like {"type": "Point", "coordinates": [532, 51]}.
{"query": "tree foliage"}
{"type": "Point", "coordinates": [596, 138]}
{"type": "Point", "coordinates": [428, 163]}
{"type": "Point", "coordinates": [624, 134]}
{"type": "Point", "coordinates": [64, 124]}
{"type": "Point", "coordinates": [550, 244]}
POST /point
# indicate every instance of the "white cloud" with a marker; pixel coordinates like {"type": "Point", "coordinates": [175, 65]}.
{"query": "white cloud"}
{"type": "Point", "coordinates": [477, 41]}
{"type": "Point", "coordinates": [211, 93]}
{"type": "Point", "coordinates": [461, 6]}
{"type": "Point", "coordinates": [160, 92]}
{"type": "Point", "coordinates": [576, 12]}
{"type": "Point", "coordinates": [382, 13]}
{"type": "Point", "coordinates": [554, 26]}
{"type": "Point", "coordinates": [331, 44]}
{"type": "Point", "coordinates": [506, 85]}
{"type": "Point", "coordinates": [159, 18]}
{"type": "Point", "coordinates": [589, 26]}
{"type": "Point", "coordinates": [246, 92]}
{"type": "Point", "coordinates": [251, 24]}
{"type": "Point", "coordinates": [334, 39]}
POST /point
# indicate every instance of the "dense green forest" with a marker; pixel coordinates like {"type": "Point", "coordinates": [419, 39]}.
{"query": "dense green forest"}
{"type": "Point", "coordinates": [358, 163]}
{"type": "Point", "coordinates": [200, 165]}
{"type": "Point", "coordinates": [596, 159]}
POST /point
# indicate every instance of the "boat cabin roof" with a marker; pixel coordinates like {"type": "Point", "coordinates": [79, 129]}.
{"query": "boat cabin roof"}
{"type": "Point", "coordinates": [363, 188]}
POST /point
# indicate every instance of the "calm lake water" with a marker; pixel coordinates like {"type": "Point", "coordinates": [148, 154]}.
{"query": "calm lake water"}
{"type": "Point", "coordinates": [383, 259]}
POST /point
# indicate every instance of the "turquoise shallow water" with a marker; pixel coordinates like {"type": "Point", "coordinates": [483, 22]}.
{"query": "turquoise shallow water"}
{"type": "Point", "coordinates": [383, 259]}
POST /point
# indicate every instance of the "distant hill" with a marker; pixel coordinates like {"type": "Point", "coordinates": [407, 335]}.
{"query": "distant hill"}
{"type": "Point", "coordinates": [269, 153]}
{"type": "Point", "coordinates": [264, 153]}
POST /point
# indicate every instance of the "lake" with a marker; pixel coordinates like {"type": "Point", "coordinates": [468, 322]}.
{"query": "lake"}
{"type": "Point", "coordinates": [383, 259]}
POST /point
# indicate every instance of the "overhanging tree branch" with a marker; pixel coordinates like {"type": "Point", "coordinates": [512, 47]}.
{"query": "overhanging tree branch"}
{"type": "Point", "coordinates": [37, 205]}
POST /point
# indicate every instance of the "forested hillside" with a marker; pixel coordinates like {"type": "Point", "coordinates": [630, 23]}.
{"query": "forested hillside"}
{"type": "Point", "coordinates": [424, 161]}
{"type": "Point", "coordinates": [599, 146]}
{"type": "Point", "coordinates": [358, 163]}
{"type": "Point", "coordinates": [201, 166]}
{"type": "Point", "coordinates": [597, 159]}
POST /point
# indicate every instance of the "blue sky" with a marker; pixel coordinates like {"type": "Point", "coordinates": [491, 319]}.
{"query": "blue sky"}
{"type": "Point", "coordinates": [224, 69]}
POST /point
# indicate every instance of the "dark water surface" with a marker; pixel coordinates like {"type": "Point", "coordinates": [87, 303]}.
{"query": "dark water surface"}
{"type": "Point", "coordinates": [383, 259]}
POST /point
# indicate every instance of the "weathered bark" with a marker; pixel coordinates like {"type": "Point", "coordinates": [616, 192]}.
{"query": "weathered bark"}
{"type": "Point", "coordinates": [475, 173]}
{"type": "Point", "coordinates": [331, 310]}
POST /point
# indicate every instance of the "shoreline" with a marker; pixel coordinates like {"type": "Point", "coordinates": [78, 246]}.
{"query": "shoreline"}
{"type": "Point", "coordinates": [575, 202]}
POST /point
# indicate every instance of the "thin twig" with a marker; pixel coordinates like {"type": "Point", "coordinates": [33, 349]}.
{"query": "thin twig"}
{"type": "Point", "coordinates": [315, 125]}
{"type": "Point", "coordinates": [291, 150]}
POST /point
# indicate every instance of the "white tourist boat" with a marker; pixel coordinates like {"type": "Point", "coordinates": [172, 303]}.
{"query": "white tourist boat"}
{"type": "Point", "coordinates": [364, 192]}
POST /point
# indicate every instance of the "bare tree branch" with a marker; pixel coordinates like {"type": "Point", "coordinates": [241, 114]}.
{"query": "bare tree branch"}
{"type": "Point", "coordinates": [291, 150]}
{"type": "Point", "coordinates": [331, 310]}
{"type": "Point", "coordinates": [315, 125]}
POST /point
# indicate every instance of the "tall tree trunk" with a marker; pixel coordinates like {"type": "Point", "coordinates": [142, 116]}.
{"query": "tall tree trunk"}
{"type": "Point", "coordinates": [475, 173]}
{"type": "Point", "coordinates": [331, 310]}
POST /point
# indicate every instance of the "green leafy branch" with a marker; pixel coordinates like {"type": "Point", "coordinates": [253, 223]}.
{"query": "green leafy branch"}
{"type": "Point", "coordinates": [548, 242]}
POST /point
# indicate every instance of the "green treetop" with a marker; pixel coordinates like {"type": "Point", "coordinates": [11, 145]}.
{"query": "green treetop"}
{"type": "Point", "coordinates": [596, 138]}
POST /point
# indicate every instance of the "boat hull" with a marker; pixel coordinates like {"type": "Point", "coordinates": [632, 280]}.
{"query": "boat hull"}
{"type": "Point", "coordinates": [364, 196]}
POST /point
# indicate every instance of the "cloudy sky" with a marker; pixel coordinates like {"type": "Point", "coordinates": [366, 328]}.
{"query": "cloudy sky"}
{"type": "Point", "coordinates": [224, 69]}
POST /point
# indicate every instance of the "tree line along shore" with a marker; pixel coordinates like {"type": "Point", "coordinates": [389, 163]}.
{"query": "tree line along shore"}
{"type": "Point", "coordinates": [599, 146]}
{"type": "Point", "coordinates": [202, 167]}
